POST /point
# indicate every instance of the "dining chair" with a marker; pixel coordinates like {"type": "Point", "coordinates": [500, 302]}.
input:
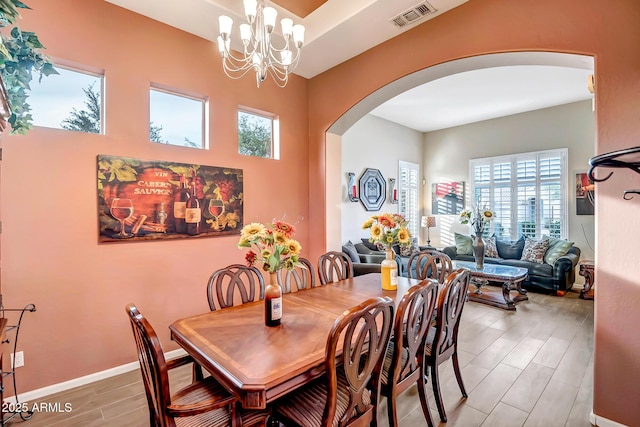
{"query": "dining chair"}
{"type": "Point", "coordinates": [431, 264]}
{"type": "Point", "coordinates": [234, 280]}
{"type": "Point", "coordinates": [404, 362]}
{"type": "Point", "coordinates": [205, 402]}
{"type": "Point", "coordinates": [303, 277]}
{"type": "Point", "coordinates": [334, 266]}
{"type": "Point", "coordinates": [442, 339]}
{"type": "Point", "coordinates": [348, 392]}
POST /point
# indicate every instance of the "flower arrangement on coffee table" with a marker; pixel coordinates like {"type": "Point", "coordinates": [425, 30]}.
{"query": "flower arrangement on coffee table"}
{"type": "Point", "coordinates": [478, 218]}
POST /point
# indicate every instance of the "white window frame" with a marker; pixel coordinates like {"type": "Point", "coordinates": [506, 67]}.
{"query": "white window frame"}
{"type": "Point", "coordinates": [413, 190]}
{"type": "Point", "coordinates": [513, 185]}
{"type": "Point", "coordinates": [275, 131]}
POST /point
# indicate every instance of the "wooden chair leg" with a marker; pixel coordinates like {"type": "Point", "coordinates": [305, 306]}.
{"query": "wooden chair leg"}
{"type": "Point", "coordinates": [392, 409]}
{"type": "Point", "coordinates": [456, 370]}
{"type": "Point", "coordinates": [198, 374]}
{"type": "Point", "coordinates": [422, 392]}
{"type": "Point", "coordinates": [435, 382]}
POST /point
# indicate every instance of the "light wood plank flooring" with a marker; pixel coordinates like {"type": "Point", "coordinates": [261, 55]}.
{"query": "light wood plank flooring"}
{"type": "Point", "coordinates": [532, 367]}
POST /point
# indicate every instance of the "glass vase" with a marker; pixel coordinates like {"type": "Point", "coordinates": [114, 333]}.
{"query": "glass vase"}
{"type": "Point", "coordinates": [389, 270]}
{"type": "Point", "coordinates": [478, 249]}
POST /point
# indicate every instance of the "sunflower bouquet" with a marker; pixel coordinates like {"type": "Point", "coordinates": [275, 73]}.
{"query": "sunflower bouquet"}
{"type": "Point", "coordinates": [270, 244]}
{"type": "Point", "coordinates": [478, 218]}
{"type": "Point", "coordinates": [387, 230]}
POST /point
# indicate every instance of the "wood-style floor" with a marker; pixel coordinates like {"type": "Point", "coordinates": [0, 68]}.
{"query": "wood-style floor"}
{"type": "Point", "coordinates": [532, 367]}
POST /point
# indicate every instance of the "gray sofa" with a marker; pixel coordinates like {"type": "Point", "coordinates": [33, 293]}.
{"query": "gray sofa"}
{"type": "Point", "coordinates": [364, 260]}
{"type": "Point", "coordinates": [558, 278]}
{"type": "Point", "coordinates": [369, 257]}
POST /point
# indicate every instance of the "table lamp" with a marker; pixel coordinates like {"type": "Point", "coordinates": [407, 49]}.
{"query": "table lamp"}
{"type": "Point", "coordinates": [428, 222]}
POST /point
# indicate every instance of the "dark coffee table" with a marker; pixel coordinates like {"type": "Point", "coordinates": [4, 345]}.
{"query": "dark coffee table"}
{"type": "Point", "coordinates": [510, 277]}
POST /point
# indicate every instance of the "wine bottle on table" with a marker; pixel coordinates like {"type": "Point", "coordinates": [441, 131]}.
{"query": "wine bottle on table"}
{"type": "Point", "coordinates": [193, 213]}
{"type": "Point", "coordinates": [180, 206]}
{"type": "Point", "coordinates": [272, 303]}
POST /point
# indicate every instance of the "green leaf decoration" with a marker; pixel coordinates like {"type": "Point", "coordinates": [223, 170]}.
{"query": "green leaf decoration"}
{"type": "Point", "coordinates": [20, 58]}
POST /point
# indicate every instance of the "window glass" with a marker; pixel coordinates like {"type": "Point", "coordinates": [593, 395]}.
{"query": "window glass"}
{"type": "Point", "coordinates": [176, 119]}
{"type": "Point", "coordinates": [532, 201]}
{"type": "Point", "coordinates": [257, 135]}
{"type": "Point", "coordinates": [69, 100]}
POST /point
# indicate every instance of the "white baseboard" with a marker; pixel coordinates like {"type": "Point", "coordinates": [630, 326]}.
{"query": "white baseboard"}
{"type": "Point", "coordinates": [599, 421]}
{"type": "Point", "coordinates": [33, 395]}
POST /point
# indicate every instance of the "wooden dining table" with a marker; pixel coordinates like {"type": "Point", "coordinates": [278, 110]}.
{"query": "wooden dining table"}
{"type": "Point", "coordinates": [259, 363]}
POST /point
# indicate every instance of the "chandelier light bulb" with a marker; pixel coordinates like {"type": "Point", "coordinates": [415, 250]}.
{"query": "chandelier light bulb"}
{"type": "Point", "coordinates": [298, 35]}
{"type": "Point", "coordinates": [245, 33]}
{"type": "Point", "coordinates": [250, 9]}
{"type": "Point", "coordinates": [287, 27]}
{"type": "Point", "coordinates": [223, 46]}
{"type": "Point", "coordinates": [225, 24]}
{"type": "Point", "coordinates": [269, 15]}
{"type": "Point", "coordinates": [264, 50]}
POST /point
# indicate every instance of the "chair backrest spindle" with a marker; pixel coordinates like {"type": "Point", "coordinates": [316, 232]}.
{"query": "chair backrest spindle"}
{"type": "Point", "coordinates": [334, 266]}
{"type": "Point", "coordinates": [236, 279]}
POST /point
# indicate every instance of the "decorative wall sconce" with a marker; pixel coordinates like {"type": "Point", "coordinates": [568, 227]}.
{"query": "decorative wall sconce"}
{"type": "Point", "coordinates": [352, 187]}
{"type": "Point", "coordinates": [393, 191]}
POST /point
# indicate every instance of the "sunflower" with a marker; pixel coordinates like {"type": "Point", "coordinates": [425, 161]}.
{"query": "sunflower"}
{"type": "Point", "coordinates": [487, 214]}
{"type": "Point", "coordinates": [293, 247]}
{"type": "Point", "coordinates": [404, 236]}
{"type": "Point", "coordinates": [251, 231]}
{"type": "Point", "coordinates": [376, 231]}
{"type": "Point", "coordinates": [279, 238]}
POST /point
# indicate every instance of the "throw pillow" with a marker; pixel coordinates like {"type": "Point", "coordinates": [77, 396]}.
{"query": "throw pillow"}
{"type": "Point", "coordinates": [362, 249]}
{"type": "Point", "coordinates": [510, 250]}
{"type": "Point", "coordinates": [534, 250]}
{"type": "Point", "coordinates": [380, 247]}
{"type": "Point", "coordinates": [368, 244]}
{"type": "Point", "coordinates": [463, 244]}
{"type": "Point", "coordinates": [349, 249]}
{"type": "Point", "coordinates": [557, 248]}
{"type": "Point", "coordinates": [407, 250]}
{"type": "Point", "coordinates": [490, 248]}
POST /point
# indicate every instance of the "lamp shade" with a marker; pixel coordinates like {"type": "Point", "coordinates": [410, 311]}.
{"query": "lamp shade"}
{"type": "Point", "coordinates": [428, 221]}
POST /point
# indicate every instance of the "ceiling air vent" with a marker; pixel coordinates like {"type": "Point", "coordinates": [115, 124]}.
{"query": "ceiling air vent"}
{"type": "Point", "coordinates": [413, 15]}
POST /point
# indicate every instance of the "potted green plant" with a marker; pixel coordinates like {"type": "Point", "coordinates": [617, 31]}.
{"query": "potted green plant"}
{"type": "Point", "coordinates": [20, 57]}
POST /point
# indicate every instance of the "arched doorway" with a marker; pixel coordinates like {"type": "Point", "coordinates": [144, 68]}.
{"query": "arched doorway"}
{"type": "Point", "coordinates": [335, 182]}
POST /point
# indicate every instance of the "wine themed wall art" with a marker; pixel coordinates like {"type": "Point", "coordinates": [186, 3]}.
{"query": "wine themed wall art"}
{"type": "Point", "coordinates": [150, 200]}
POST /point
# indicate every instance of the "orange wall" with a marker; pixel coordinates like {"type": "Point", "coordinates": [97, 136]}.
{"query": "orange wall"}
{"type": "Point", "coordinates": [50, 255]}
{"type": "Point", "coordinates": [609, 32]}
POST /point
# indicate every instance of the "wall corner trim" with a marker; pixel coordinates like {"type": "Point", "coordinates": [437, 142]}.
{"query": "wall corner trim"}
{"type": "Point", "coordinates": [599, 421]}
{"type": "Point", "coordinates": [33, 395]}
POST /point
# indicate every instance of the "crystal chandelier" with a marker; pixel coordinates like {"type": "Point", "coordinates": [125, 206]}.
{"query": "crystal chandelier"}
{"type": "Point", "coordinates": [259, 52]}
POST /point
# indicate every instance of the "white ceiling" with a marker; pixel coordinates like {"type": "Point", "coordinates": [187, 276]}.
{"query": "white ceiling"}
{"type": "Point", "coordinates": [341, 29]}
{"type": "Point", "coordinates": [485, 94]}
